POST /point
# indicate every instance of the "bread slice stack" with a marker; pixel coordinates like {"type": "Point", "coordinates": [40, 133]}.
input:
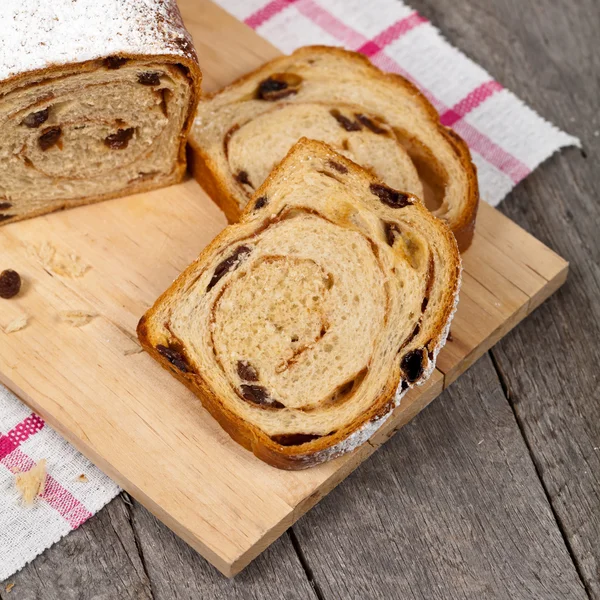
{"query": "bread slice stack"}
{"type": "Point", "coordinates": [378, 120]}
{"type": "Point", "coordinates": [301, 326]}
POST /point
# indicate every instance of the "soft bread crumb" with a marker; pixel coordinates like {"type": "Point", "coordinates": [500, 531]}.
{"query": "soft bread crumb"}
{"type": "Point", "coordinates": [30, 484]}
{"type": "Point", "coordinates": [9, 587]}
{"type": "Point", "coordinates": [66, 265]}
{"type": "Point", "coordinates": [77, 318]}
{"type": "Point", "coordinates": [16, 324]}
{"type": "Point", "coordinates": [83, 478]}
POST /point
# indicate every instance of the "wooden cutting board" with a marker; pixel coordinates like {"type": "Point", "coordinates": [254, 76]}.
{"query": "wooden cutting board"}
{"type": "Point", "coordinates": [135, 421]}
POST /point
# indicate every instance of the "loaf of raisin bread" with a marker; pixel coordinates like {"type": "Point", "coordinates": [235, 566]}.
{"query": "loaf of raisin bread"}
{"type": "Point", "coordinates": [378, 120]}
{"type": "Point", "coordinates": [96, 101]}
{"type": "Point", "coordinates": [301, 326]}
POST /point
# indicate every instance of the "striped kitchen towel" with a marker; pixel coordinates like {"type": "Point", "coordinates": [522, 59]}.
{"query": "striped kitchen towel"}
{"type": "Point", "coordinates": [507, 139]}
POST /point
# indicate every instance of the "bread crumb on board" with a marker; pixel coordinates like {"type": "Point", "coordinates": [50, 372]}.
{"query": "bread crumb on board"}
{"type": "Point", "coordinates": [83, 478]}
{"type": "Point", "coordinates": [9, 587]}
{"type": "Point", "coordinates": [77, 318]}
{"type": "Point", "coordinates": [67, 265]}
{"type": "Point", "coordinates": [17, 324]}
{"type": "Point", "coordinates": [31, 484]}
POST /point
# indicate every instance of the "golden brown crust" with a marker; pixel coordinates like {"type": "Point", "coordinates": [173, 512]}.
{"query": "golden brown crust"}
{"type": "Point", "coordinates": [248, 435]}
{"type": "Point", "coordinates": [463, 228]}
{"type": "Point", "coordinates": [192, 71]}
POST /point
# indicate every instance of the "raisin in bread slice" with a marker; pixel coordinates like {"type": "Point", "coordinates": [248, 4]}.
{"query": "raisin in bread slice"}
{"type": "Point", "coordinates": [96, 100]}
{"type": "Point", "coordinates": [301, 326]}
{"type": "Point", "coordinates": [378, 120]}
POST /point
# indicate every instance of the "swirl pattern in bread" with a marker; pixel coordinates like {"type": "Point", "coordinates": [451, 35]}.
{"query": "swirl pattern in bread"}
{"type": "Point", "coordinates": [376, 119]}
{"type": "Point", "coordinates": [301, 326]}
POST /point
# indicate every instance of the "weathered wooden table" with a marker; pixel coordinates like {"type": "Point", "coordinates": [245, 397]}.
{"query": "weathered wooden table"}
{"type": "Point", "coordinates": [494, 490]}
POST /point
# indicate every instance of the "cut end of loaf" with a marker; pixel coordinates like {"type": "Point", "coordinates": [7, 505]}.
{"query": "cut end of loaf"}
{"type": "Point", "coordinates": [111, 123]}
{"type": "Point", "coordinates": [301, 327]}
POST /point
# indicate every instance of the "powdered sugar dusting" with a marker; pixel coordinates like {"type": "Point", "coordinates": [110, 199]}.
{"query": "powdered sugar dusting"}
{"type": "Point", "coordinates": [39, 33]}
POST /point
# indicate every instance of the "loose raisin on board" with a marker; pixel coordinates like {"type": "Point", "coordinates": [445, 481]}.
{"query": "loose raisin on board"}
{"type": "Point", "coordinates": [35, 119]}
{"type": "Point", "coordinates": [177, 359]}
{"type": "Point", "coordinates": [278, 86]}
{"type": "Point", "coordinates": [246, 371]}
{"type": "Point", "coordinates": [389, 196]}
{"type": "Point", "coordinates": [49, 138]}
{"type": "Point", "coordinates": [10, 284]}
{"type": "Point", "coordinates": [232, 262]}
{"type": "Point", "coordinates": [149, 78]}
{"type": "Point", "coordinates": [119, 140]}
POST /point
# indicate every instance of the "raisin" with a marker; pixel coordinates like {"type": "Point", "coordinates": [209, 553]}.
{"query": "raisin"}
{"type": "Point", "coordinates": [345, 122]}
{"type": "Point", "coordinates": [10, 284]}
{"type": "Point", "coordinates": [404, 385]}
{"type": "Point", "coordinates": [294, 439]}
{"type": "Point", "coordinates": [228, 264]}
{"type": "Point", "coordinates": [424, 304]}
{"type": "Point", "coordinates": [5, 217]}
{"type": "Point", "coordinates": [242, 177]}
{"type": "Point", "coordinates": [246, 371]}
{"type": "Point", "coordinates": [337, 166]}
{"type": "Point", "coordinates": [369, 124]}
{"type": "Point", "coordinates": [257, 394]}
{"type": "Point", "coordinates": [176, 358]}
{"type": "Point", "coordinates": [412, 365]}
{"type": "Point", "coordinates": [49, 138]}
{"type": "Point", "coordinates": [278, 86]}
{"type": "Point", "coordinates": [391, 229]}
{"type": "Point", "coordinates": [119, 140]}
{"type": "Point", "coordinates": [261, 202]}
{"type": "Point", "coordinates": [35, 119]}
{"type": "Point", "coordinates": [114, 62]}
{"type": "Point", "coordinates": [5, 205]}
{"type": "Point", "coordinates": [389, 196]}
{"type": "Point", "coordinates": [149, 78]}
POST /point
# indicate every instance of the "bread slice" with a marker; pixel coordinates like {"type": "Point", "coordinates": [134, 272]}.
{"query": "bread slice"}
{"type": "Point", "coordinates": [96, 101]}
{"type": "Point", "coordinates": [301, 326]}
{"type": "Point", "coordinates": [378, 120]}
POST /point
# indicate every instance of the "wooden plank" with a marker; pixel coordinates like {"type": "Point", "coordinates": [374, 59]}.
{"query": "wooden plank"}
{"type": "Point", "coordinates": [177, 572]}
{"type": "Point", "coordinates": [98, 560]}
{"type": "Point", "coordinates": [450, 508]}
{"type": "Point", "coordinates": [549, 363]}
{"type": "Point", "coordinates": [131, 417]}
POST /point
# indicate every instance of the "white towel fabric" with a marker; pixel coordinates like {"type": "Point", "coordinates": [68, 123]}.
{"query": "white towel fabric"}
{"type": "Point", "coordinates": [507, 139]}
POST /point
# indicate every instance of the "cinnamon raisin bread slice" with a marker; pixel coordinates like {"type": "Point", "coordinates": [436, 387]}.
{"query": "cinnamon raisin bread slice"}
{"type": "Point", "coordinates": [301, 326]}
{"type": "Point", "coordinates": [378, 120]}
{"type": "Point", "coordinates": [96, 100]}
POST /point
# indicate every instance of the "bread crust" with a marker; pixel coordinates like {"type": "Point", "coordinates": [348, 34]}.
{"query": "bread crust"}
{"type": "Point", "coordinates": [206, 173]}
{"type": "Point", "coordinates": [346, 438]}
{"type": "Point", "coordinates": [192, 72]}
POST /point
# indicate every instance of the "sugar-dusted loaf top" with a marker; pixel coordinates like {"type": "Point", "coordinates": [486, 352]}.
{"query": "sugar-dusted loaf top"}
{"type": "Point", "coordinates": [35, 34]}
